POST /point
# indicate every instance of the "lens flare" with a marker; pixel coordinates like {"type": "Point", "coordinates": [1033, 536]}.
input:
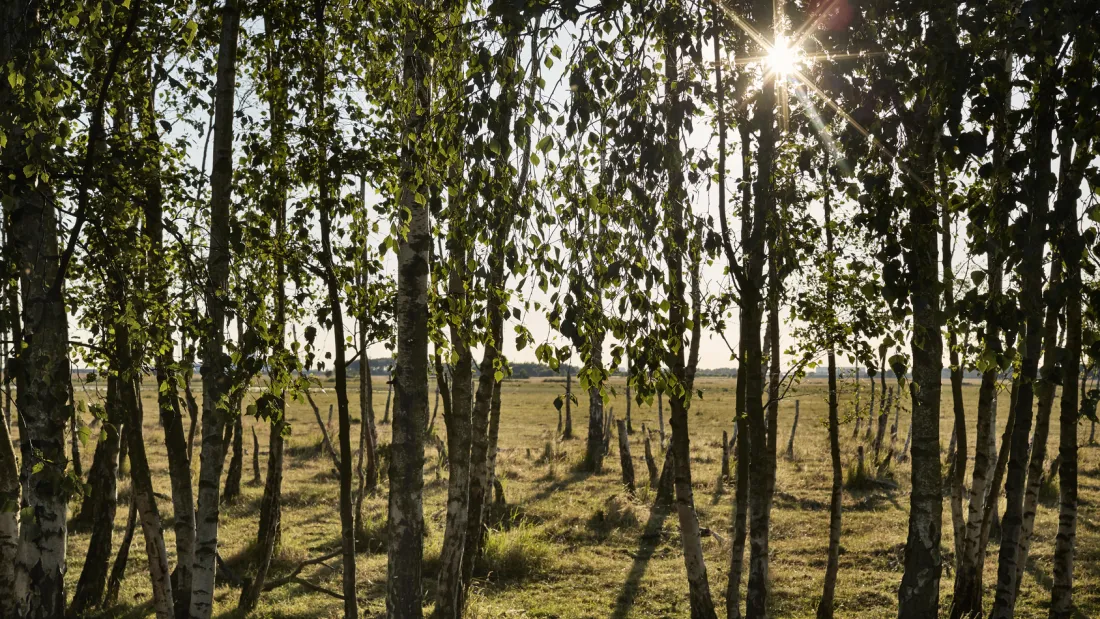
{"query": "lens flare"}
{"type": "Point", "coordinates": [783, 58]}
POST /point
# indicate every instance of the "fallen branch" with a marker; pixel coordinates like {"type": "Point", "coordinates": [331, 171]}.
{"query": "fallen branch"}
{"type": "Point", "coordinates": [293, 577]}
{"type": "Point", "coordinates": [315, 588]}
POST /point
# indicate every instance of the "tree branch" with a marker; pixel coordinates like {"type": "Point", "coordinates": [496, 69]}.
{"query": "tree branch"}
{"type": "Point", "coordinates": [95, 135]}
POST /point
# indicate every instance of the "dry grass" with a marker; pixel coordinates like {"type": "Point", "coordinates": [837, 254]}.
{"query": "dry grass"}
{"type": "Point", "coordinates": [574, 545]}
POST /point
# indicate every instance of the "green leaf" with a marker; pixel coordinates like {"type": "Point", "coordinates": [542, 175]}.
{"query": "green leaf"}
{"type": "Point", "coordinates": [189, 32]}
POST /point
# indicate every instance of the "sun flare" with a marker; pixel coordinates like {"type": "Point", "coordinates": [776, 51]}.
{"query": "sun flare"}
{"type": "Point", "coordinates": [783, 57]}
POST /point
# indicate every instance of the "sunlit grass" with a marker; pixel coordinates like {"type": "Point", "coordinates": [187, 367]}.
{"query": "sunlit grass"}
{"type": "Point", "coordinates": [573, 544]}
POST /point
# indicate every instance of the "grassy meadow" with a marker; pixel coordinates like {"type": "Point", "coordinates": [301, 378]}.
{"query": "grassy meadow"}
{"type": "Point", "coordinates": [571, 544]}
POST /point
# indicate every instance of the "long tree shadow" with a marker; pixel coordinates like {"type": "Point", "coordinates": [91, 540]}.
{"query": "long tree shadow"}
{"type": "Point", "coordinates": [575, 476]}
{"type": "Point", "coordinates": [1041, 576]}
{"type": "Point", "coordinates": [648, 542]}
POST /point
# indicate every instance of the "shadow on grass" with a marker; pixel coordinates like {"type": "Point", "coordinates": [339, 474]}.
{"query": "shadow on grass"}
{"type": "Point", "coordinates": [273, 614]}
{"type": "Point", "coordinates": [123, 610]}
{"type": "Point", "coordinates": [1045, 580]}
{"type": "Point", "coordinates": [648, 542]}
{"type": "Point", "coordinates": [575, 476]}
{"type": "Point", "coordinates": [785, 500]}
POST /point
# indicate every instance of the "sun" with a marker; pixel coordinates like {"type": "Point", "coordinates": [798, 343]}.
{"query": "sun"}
{"type": "Point", "coordinates": [783, 58]}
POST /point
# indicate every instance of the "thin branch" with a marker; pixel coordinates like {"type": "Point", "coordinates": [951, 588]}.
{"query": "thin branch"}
{"type": "Point", "coordinates": [95, 135]}
{"type": "Point", "coordinates": [293, 577]}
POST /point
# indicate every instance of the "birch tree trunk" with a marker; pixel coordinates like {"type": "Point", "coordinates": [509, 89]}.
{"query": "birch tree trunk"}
{"type": "Point", "coordinates": [42, 398]}
{"type": "Point", "coordinates": [458, 416]}
{"type": "Point", "coordinates": [141, 486]}
{"type": "Point", "coordinates": [43, 373]}
{"type": "Point", "coordinates": [958, 465]}
{"type": "Point", "coordinates": [485, 423]}
{"type": "Point", "coordinates": [968, 578]}
{"type": "Point", "coordinates": [99, 507]}
{"type": "Point", "coordinates": [9, 522]}
{"type": "Point", "coordinates": [326, 209]}
{"type": "Point", "coordinates": [168, 397]}
{"type": "Point", "coordinates": [1031, 300]}
{"type": "Point", "coordinates": [1061, 601]}
{"type": "Point", "coordinates": [215, 381]}
{"type": "Point", "coordinates": [410, 416]}
{"type": "Point", "coordinates": [741, 425]}
{"type": "Point", "coordinates": [236, 460]}
{"type": "Point", "coordinates": [1071, 250]}
{"type": "Point", "coordinates": [918, 595]}
{"type": "Point", "coordinates": [594, 451]}
{"type": "Point", "coordinates": [699, 597]}
{"type": "Point", "coordinates": [836, 496]}
{"type": "Point", "coordinates": [368, 469]}
{"type": "Point", "coordinates": [267, 535]}
{"type": "Point", "coordinates": [118, 568]}
{"type": "Point", "coordinates": [1044, 392]}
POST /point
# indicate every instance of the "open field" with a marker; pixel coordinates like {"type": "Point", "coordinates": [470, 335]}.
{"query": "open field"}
{"type": "Point", "coordinates": [574, 545]}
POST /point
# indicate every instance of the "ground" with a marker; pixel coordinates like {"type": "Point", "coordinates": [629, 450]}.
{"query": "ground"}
{"type": "Point", "coordinates": [572, 544]}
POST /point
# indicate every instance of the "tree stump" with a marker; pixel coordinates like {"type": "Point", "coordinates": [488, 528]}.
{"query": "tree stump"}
{"type": "Point", "coordinates": [665, 489]}
{"type": "Point", "coordinates": [650, 463]}
{"type": "Point", "coordinates": [897, 414]}
{"type": "Point", "coordinates": [880, 437]}
{"type": "Point", "coordinates": [794, 428]}
{"type": "Point", "coordinates": [608, 420]}
{"type": "Point", "coordinates": [625, 460]}
{"type": "Point", "coordinates": [567, 433]}
{"type": "Point", "coordinates": [661, 417]}
{"type": "Point", "coordinates": [255, 458]}
{"type": "Point", "coordinates": [725, 474]}
{"type": "Point", "coordinates": [904, 455]}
